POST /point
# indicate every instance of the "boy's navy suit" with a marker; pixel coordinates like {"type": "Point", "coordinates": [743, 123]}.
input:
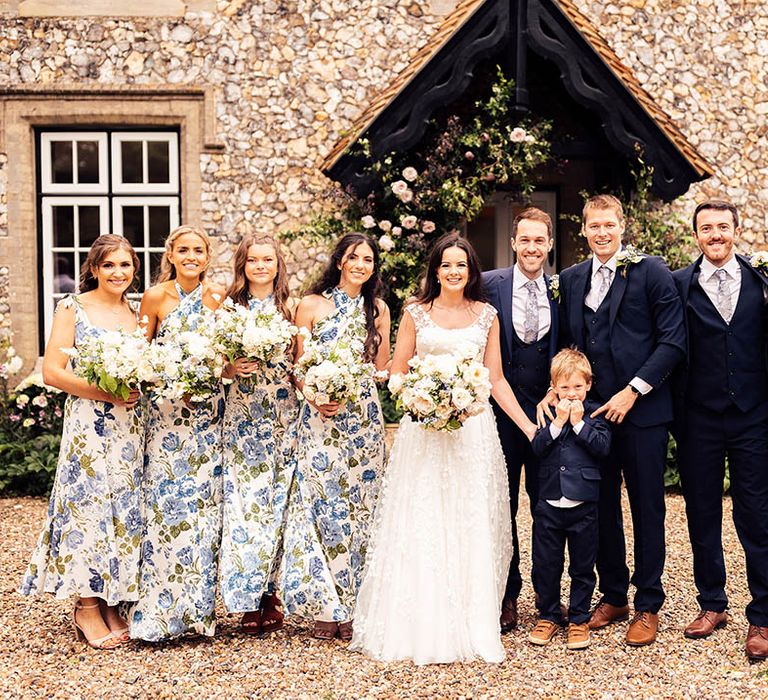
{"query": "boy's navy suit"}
{"type": "Point", "coordinates": [637, 331]}
{"type": "Point", "coordinates": [721, 408]}
{"type": "Point", "coordinates": [569, 466]}
{"type": "Point", "coordinates": [526, 368]}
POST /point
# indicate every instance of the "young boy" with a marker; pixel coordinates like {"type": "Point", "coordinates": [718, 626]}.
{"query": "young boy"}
{"type": "Point", "coordinates": [570, 449]}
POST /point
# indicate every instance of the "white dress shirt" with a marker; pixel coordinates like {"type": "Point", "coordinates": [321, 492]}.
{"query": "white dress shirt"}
{"type": "Point", "coordinates": [708, 281]}
{"type": "Point", "coordinates": [564, 502]}
{"type": "Point", "coordinates": [520, 302]}
{"type": "Point", "coordinates": [591, 301]}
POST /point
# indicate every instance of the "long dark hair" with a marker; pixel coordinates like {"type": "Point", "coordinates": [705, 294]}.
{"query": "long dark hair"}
{"type": "Point", "coordinates": [103, 246]}
{"type": "Point", "coordinates": [371, 289]}
{"type": "Point", "coordinates": [238, 290]}
{"type": "Point", "coordinates": [430, 287]}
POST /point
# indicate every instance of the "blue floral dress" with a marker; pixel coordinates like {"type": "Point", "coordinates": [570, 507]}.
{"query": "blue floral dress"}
{"type": "Point", "coordinates": [182, 508]}
{"type": "Point", "coordinates": [90, 543]}
{"type": "Point", "coordinates": [258, 461]}
{"type": "Point", "coordinates": [339, 467]}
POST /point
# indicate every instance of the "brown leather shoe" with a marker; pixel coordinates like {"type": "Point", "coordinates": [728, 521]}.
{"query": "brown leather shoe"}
{"type": "Point", "coordinates": [757, 643]}
{"type": "Point", "coordinates": [578, 636]}
{"type": "Point", "coordinates": [508, 619]}
{"type": "Point", "coordinates": [543, 632]}
{"type": "Point", "coordinates": [605, 614]}
{"type": "Point", "coordinates": [642, 630]}
{"type": "Point", "coordinates": [706, 622]}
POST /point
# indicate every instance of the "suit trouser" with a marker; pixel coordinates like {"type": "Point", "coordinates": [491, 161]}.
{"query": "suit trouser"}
{"type": "Point", "coordinates": [517, 452]}
{"type": "Point", "coordinates": [639, 455]}
{"type": "Point", "coordinates": [555, 527]}
{"type": "Point", "coordinates": [707, 437]}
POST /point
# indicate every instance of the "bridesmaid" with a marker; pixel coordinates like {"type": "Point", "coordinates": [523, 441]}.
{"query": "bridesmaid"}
{"type": "Point", "coordinates": [182, 464]}
{"type": "Point", "coordinates": [340, 453]}
{"type": "Point", "coordinates": [258, 449]}
{"type": "Point", "coordinates": [89, 546]}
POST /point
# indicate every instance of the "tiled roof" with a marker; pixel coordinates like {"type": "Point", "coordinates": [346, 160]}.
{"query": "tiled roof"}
{"type": "Point", "coordinates": [458, 17]}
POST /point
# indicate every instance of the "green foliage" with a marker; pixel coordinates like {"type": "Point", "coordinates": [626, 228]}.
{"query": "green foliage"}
{"type": "Point", "coordinates": [28, 467]}
{"type": "Point", "coordinates": [672, 475]}
{"type": "Point", "coordinates": [392, 412]}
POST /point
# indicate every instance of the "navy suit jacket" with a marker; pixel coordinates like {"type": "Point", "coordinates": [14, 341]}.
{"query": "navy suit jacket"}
{"type": "Point", "coordinates": [570, 465]}
{"type": "Point", "coordinates": [684, 278]}
{"type": "Point", "coordinates": [647, 331]}
{"type": "Point", "coordinates": [498, 289]}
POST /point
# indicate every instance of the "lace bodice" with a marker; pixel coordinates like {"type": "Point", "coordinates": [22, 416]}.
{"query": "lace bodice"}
{"type": "Point", "coordinates": [432, 339]}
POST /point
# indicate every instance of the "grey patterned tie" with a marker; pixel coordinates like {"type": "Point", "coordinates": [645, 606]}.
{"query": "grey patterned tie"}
{"type": "Point", "coordinates": [605, 284]}
{"type": "Point", "coordinates": [531, 314]}
{"type": "Point", "coordinates": [724, 304]}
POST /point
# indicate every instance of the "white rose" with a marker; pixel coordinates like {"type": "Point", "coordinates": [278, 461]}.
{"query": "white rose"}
{"type": "Point", "coordinates": [408, 221]}
{"type": "Point", "coordinates": [517, 135]}
{"type": "Point", "coordinates": [396, 231]}
{"type": "Point", "coordinates": [444, 411]}
{"type": "Point", "coordinates": [40, 401]}
{"type": "Point", "coordinates": [22, 400]}
{"type": "Point", "coordinates": [386, 243]}
{"type": "Point", "coordinates": [410, 173]}
{"type": "Point", "coordinates": [461, 398]}
{"type": "Point", "coordinates": [428, 226]}
{"type": "Point", "coordinates": [475, 409]}
{"type": "Point", "coordinates": [423, 404]}
{"type": "Point", "coordinates": [368, 222]}
{"type": "Point", "coordinates": [399, 187]}
{"type": "Point", "coordinates": [395, 383]}
{"type": "Point", "coordinates": [385, 225]}
{"type": "Point", "coordinates": [406, 196]}
{"type": "Point", "coordinates": [28, 422]}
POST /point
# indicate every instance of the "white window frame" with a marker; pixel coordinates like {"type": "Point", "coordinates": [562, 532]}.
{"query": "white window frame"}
{"type": "Point", "coordinates": [49, 250]}
{"type": "Point", "coordinates": [145, 187]}
{"type": "Point", "coordinates": [46, 171]}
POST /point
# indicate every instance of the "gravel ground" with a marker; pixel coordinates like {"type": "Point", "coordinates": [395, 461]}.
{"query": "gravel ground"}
{"type": "Point", "coordinates": [41, 658]}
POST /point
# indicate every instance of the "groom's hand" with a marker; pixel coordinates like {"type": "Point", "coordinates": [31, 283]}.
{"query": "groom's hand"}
{"type": "Point", "coordinates": [618, 405]}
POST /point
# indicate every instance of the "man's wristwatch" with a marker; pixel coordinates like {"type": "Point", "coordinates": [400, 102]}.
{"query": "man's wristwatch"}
{"type": "Point", "coordinates": [635, 390]}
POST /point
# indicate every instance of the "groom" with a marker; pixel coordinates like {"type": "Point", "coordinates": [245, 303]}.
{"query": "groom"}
{"type": "Point", "coordinates": [528, 318]}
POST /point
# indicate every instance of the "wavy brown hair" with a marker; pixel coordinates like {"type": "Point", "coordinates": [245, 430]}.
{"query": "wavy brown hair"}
{"type": "Point", "coordinates": [238, 290]}
{"type": "Point", "coordinates": [430, 287]}
{"type": "Point", "coordinates": [167, 270]}
{"type": "Point", "coordinates": [103, 246]}
{"type": "Point", "coordinates": [371, 290]}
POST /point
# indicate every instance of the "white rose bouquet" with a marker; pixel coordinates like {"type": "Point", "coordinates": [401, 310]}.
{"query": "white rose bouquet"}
{"type": "Point", "coordinates": [442, 391]}
{"type": "Point", "coordinates": [332, 374]}
{"type": "Point", "coordinates": [113, 361]}
{"type": "Point", "coordinates": [187, 362]}
{"type": "Point", "coordinates": [262, 334]}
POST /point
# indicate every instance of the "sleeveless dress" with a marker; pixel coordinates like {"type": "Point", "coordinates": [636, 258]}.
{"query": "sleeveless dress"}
{"type": "Point", "coordinates": [90, 543]}
{"type": "Point", "coordinates": [334, 493]}
{"type": "Point", "coordinates": [182, 508]}
{"type": "Point", "coordinates": [442, 540]}
{"type": "Point", "coordinates": [259, 442]}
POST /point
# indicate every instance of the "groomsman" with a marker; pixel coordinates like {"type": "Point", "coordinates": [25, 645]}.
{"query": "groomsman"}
{"type": "Point", "coordinates": [528, 318]}
{"type": "Point", "coordinates": [621, 309]}
{"type": "Point", "coordinates": [722, 409]}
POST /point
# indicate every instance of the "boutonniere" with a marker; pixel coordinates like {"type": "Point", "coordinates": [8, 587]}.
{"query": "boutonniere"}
{"type": "Point", "coordinates": [629, 256]}
{"type": "Point", "coordinates": [554, 287]}
{"type": "Point", "coordinates": [759, 261]}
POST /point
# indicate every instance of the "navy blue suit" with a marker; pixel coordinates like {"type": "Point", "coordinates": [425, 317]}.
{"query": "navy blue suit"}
{"type": "Point", "coordinates": [569, 466]}
{"type": "Point", "coordinates": [721, 409]}
{"type": "Point", "coordinates": [638, 331]}
{"type": "Point", "coordinates": [526, 368]}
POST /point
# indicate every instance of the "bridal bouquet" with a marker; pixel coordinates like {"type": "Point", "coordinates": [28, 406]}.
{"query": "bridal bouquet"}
{"type": "Point", "coordinates": [332, 374]}
{"type": "Point", "coordinates": [114, 361]}
{"type": "Point", "coordinates": [187, 361]}
{"type": "Point", "coordinates": [263, 334]}
{"type": "Point", "coordinates": [442, 391]}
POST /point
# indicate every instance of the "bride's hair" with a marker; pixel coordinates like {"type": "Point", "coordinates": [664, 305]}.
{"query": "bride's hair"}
{"type": "Point", "coordinates": [430, 287]}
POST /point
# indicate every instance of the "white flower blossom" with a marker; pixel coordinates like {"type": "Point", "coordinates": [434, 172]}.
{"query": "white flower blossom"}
{"type": "Point", "coordinates": [386, 243]}
{"type": "Point", "coordinates": [410, 173]}
{"type": "Point", "coordinates": [517, 135]}
{"type": "Point", "coordinates": [368, 222]}
{"type": "Point", "coordinates": [428, 226]}
{"type": "Point", "coordinates": [409, 221]}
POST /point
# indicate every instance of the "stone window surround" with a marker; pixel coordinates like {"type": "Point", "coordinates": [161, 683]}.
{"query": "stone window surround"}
{"type": "Point", "coordinates": [22, 109]}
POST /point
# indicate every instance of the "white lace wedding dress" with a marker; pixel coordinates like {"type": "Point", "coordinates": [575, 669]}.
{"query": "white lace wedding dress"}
{"type": "Point", "coordinates": [442, 542]}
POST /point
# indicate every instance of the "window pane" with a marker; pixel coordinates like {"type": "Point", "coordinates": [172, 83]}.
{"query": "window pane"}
{"type": "Point", "coordinates": [90, 226]}
{"type": "Point", "coordinates": [63, 227]}
{"type": "Point", "coordinates": [131, 157]}
{"type": "Point", "coordinates": [154, 266]}
{"type": "Point", "coordinates": [87, 162]}
{"type": "Point", "coordinates": [159, 225]}
{"type": "Point", "coordinates": [61, 161]}
{"type": "Point", "coordinates": [133, 225]}
{"type": "Point", "coordinates": [64, 273]}
{"type": "Point", "coordinates": [157, 154]}
{"type": "Point", "coordinates": [138, 285]}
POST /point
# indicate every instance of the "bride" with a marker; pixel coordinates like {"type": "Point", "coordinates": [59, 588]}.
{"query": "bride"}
{"type": "Point", "coordinates": [442, 540]}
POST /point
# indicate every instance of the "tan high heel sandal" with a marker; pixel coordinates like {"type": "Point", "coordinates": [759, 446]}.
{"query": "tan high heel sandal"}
{"type": "Point", "coordinates": [106, 643]}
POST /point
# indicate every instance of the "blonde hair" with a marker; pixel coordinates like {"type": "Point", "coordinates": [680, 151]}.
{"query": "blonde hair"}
{"type": "Point", "coordinates": [568, 362]}
{"type": "Point", "coordinates": [167, 270]}
{"type": "Point", "coordinates": [603, 201]}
